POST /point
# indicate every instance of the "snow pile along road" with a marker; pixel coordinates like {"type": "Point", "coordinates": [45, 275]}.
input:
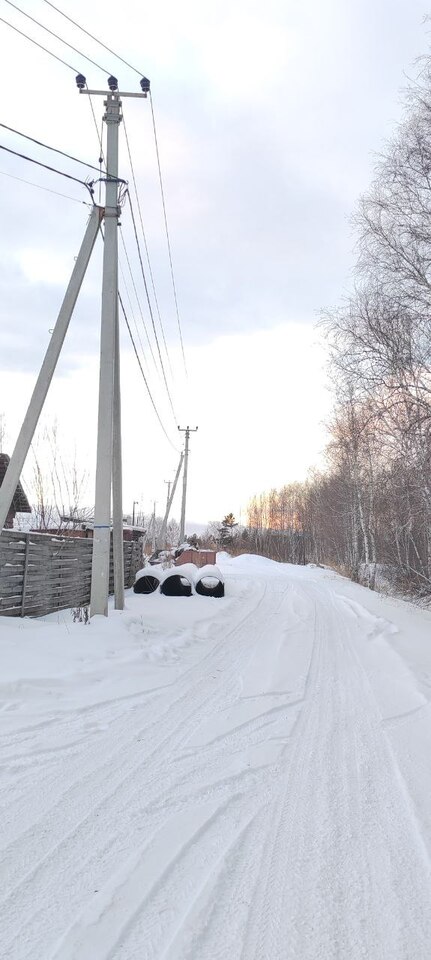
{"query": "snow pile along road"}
{"type": "Point", "coordinates": [202, 778]}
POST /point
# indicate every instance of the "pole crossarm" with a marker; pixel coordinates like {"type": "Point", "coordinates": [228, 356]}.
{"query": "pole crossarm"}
{"type": "Point", "coordinates": [104, 93]}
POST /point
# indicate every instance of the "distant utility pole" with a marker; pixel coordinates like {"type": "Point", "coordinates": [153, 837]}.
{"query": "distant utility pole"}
{"type": "Point", "coordinates": [154, 528]}
{"type": "Point", "coordinates": [135, 504]}
{"type": "Point", "coordinates": [187, 430]}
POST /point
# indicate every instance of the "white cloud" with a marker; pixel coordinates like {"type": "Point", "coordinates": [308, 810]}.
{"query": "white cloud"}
{"type": "Point", "coordinates": [44, 266]}
{"type": "Point", "coordinates": [267, 117]}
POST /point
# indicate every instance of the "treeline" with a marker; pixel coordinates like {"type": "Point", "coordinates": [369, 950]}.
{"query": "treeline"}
{"type": "Point", "coordinates": [371, 508]}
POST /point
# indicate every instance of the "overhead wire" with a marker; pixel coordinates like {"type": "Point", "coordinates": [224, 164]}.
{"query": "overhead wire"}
{"type": "Point", "coordinates": [57, 36]}
{"type": "Point", "coordinates": [40, 187]}
{"type": "Point", "coordinates": [46, 166]}
{"type": "Point", "coordinates": [98, 134]}
{"type": "Point", "coordinates": [149, 305]}
{"type": "Point", "coordinates": [137, 298]}
{"type": "Point", "coordinates": [174, 288]}
{"type": "Point", "coordinates": [100, 140]}
{"type": "Point", "coordinates": [89, 186]}
{"type": "Point", "coordinates": [129, 299]}
{"type": "Point", "coordinates": [144, 377]}
{"type": "Point", "coordinates": [64, 63]}
{"type": "Point", "coordinates": [40, 45]}
{"type": "Point", "coordinates": [138, 202]}
{"type": "Point", "coordinates": [47, 147]}
{"type": "Point", "coordinates": [162, 191]}
{"type": "Point", "coordinates": [92, 37]}
{"type": "Point", "coordinates": [120, 300]}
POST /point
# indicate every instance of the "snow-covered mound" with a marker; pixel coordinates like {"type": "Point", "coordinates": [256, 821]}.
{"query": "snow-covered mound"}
{"type": "Point", "coordinates": [250, 561]}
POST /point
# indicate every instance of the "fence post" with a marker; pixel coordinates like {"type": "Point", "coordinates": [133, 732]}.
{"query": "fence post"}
{"type": "Point", "coordinates": [24, 579]}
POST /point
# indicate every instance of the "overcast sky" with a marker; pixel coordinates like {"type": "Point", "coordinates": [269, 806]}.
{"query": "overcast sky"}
{"type": "Point", "coordinates": [268, 118]}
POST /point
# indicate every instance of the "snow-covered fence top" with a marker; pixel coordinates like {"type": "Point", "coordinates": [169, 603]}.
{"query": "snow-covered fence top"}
{"type": "Point", "coordinates": [40, 573]}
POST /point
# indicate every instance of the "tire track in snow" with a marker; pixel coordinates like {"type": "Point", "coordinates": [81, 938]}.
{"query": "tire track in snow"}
{"type": "Point", "coordinates": [346, 873]}
{"type": "Point", "coordinates": [317, 854]}
{"type": "Point", "coordinates": [90, 756]}
{"type": "Point", "coordinates": [180, 727]}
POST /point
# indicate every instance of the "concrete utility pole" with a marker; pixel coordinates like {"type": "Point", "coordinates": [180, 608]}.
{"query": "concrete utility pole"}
{"type": "Point", "coordinates": [108, 463]}
{"type": "Point", "coordinates": [109, 366]}
{"type": "Point", "coordinates": [117, 479]}
{"type": "Point", "coordinates": [187, 430]}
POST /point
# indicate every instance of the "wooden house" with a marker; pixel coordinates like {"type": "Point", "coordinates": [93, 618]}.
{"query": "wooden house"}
{"type": "Point", "coordinates": [19, 503]}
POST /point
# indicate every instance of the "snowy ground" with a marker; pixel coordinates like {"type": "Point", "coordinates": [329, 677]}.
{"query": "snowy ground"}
{"type": "Point", "coordinates": [240, 779]}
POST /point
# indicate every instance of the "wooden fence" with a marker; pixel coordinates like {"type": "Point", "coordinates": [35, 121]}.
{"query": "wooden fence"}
{"type": "Point", "coordinates": [40, 573]}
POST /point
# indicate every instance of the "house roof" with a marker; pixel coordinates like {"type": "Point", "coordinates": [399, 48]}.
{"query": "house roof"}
{"type": "Point", "coordinates": [20, 503]}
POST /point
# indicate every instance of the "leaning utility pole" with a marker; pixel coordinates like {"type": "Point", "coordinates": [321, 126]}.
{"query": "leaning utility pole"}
{"type": "Point", "coordinates": [25, 437]}
{"type": "Point", "coordinates": [187, 430]}
{"type": "Point", "coordinates": [171, 494]}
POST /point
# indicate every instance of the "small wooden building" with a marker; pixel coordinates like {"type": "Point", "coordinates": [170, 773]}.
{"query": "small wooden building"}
{"type": "Point", "coordinates": [199, 557]}
{"type": "Point", "coordinates": [19, 503]}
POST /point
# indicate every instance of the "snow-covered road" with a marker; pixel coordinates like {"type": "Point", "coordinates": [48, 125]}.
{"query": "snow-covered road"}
{"type": "Point", "coordinates": [242, 779]}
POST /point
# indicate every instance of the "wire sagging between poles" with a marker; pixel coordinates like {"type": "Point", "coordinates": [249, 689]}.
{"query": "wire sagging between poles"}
{"type": "Point", "coordinates": [144, 377]}
{"type": "Point", "coordinates": [45, 166]}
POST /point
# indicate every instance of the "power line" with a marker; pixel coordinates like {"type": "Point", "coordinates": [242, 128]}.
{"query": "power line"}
{"type": "Point", "coordinates": [100, 141]}
{"type": "Point", "coordinates": [145, 240]}
{"type": "Point", "coordinates": [92, 37]}
{"type": "Point", "coordinates": [56, 35]}
{"type": "Point", "coordinates": [40, 45]}
{"type": "Point", "coordinates": [123, 278]}
{"type": "Point", "coordinates": [47, 147]}
{"type": "Point", "coordinates": [40, 187]}
{"type": "Point", "coordinates": [70, 177]}
{"type": "Point", "coordinates": [47, 167]}
{"type": "Point", "coordinates": [150, 307]}
{"type": "Point", "coordinates": [167, 232]}
{"type": "Point", "coordinates": [135, 70]}
{"type": "Point", "coordinates": [137, 298]}
{"type": "Point", "coordinates": [65, 64]}
{"type": "Point", "coordinates": [144, 377]}
{"type": "Point", "coordinates": [110, 50]}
